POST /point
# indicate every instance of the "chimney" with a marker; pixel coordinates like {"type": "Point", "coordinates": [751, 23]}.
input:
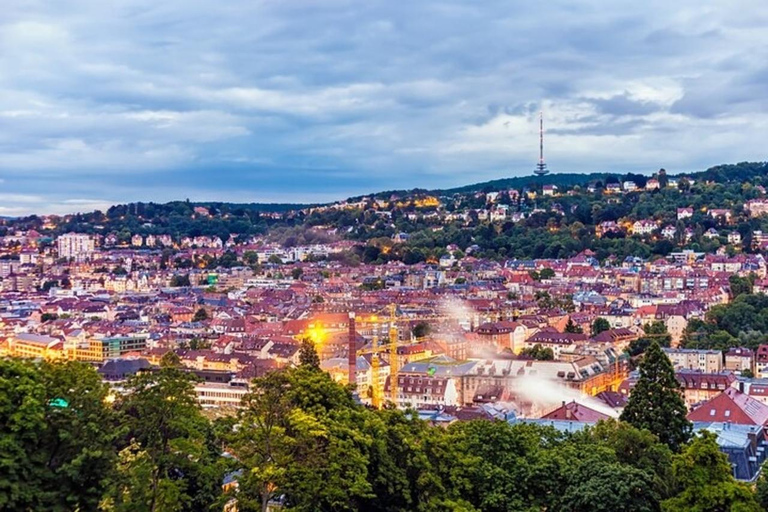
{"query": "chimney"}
{"type": "Point", "coordinates": [352, 349]}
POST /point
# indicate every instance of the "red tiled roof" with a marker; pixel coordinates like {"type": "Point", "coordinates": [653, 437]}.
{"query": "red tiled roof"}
{"type": "Point", "coordinates": [734, 406]}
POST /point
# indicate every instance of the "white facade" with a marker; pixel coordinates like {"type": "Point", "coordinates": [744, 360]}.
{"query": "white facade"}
{"type": "Point", "coordinates": [75, 245]}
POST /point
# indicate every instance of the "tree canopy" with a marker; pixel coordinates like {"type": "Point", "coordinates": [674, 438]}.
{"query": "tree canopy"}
{"type": "Point", "coordinates": [656, 402]}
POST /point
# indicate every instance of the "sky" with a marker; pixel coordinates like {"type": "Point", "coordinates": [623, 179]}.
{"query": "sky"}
{"type": "Point", "coordinates": [104, 102]}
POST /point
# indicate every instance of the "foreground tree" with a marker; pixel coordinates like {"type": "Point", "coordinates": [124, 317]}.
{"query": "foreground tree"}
{"type": "Point", "coordinates": [705, 482]}
{"type": "Point", "coordinates": [301, 436]}
{"type": "Point", "coordinates": [56, 436]}
{"type": "Point", "coordinates": [656, 403]}
{"type": "Point", "coordinates": [170, 461]}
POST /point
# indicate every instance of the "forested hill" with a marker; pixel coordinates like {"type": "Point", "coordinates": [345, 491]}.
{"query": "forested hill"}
{"type": "Point", "coordinates": [719, 174]}
{"type": "Point", "coordinates": [502, 219]}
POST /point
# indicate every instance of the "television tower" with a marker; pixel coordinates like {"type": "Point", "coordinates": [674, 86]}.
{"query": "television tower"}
{"type": "Point", "coordinates": [541, 167]}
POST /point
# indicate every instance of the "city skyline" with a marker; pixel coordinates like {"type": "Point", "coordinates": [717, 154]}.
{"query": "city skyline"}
{"type": "Point", "coordinates": [299, 102]}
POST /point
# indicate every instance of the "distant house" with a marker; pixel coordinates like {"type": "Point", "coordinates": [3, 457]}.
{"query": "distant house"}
{"type": "Point", "coordinates": [738, 359]}
{"type": "Point", "coordinates": [711, 233]}
{"type": "Point", "coordinates": [756, 207]}
{"type": "Point", "coordinates": [720, 213]}
{"type": "Point", "coordinates": [684, 213]}
{"type": "Point", "coordinates": [574, 411]}
{"type": "Point", "coordinates": [669, 231]}
{"type": "Point", "coordinates": [643, 227]}
{"type": "Point", "coordinates": [549, 190]}
{"type": "Point", "coordinates": [652, 184]}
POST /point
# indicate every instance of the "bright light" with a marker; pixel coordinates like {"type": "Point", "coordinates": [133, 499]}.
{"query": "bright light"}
{"type": "Point", "coordinates": [317, 334]}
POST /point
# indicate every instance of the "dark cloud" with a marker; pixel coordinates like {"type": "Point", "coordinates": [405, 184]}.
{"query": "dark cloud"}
{"type": "Point", "coordinates": [247, 100]}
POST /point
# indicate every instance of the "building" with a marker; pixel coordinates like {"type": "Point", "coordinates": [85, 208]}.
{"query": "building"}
{"type": "Point", "coordinates": [732, 406]}
{"type": "Point", "coordinates": [574, 411]}
{"type": "Point", "coordinates": [707, 361]}
{"type": "Point", "coordinates": [221, 394]}
{"type": "Point", "coordinates": [745, 446]}
{"type": "Point", "coordinates": [435, 382]}
{"type": "Point", "coordinates": [761, 361]}
{"type": "Point", "coordinates": [509, 335]}
{"type": "Point", "coordinates": [644, 227]}
{"type": "Point", "coordinates": [738, 359]}
{"type": "Point", "coordinates": [75, 246]}
{"type": "Point", "coordinates": [756, 207]}
{"type": "Point", "coordinates": [35, 346]}
{"type": "Point", "coordinates": [102, 349]}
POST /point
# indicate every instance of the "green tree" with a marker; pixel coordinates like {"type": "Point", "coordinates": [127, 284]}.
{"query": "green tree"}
{"type": "Point", "coordinates": [421, 330]}
{"type": "Point", "coordinates": [739, 285]}
{"type": "Point", "coordinates": [296, 273]}
{"type": "Point", "coordinates": [308, 354]}
{"type": "Point", "coordinates": [656, 403]}
{"type": "Point", "coordinates": [705, 482]}
{"type": "Point", "coordinates": [200, 315]}
{"type": "Point", "coordinates": [610, 487]}
{"type": "Point", "coordinates": [654, 331]}
{"type": "Point", "coordinates": [572, 327]}
{"type": "Point", "coordinates": [300, 435]}
{"type": "Point", "coordinates": [47, 317]}
{"type": "Point", "coordinates": [599, 325]}
{"type": "Point", "coordinates": [179, 280]}
{"type": "Point", "coordinates": [170, 462]}
{"type": "Point", "coordinates": [56, 436]}
{"type": "Point", "coordinates": [761, 489]}
{"type": "Point", "coordinates": [546, 273]}
{"type": "Point", "coordinates": [539, 353]}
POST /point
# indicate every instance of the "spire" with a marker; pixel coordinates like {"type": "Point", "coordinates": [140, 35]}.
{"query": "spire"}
{"type": "Point", "coordinates": [541, 167]}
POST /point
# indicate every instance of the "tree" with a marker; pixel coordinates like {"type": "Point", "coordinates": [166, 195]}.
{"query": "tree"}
{"type": "Point", "coordinates": [663, 178]}
{"type": "Point", "coordinates": [546, 273]}
{"type": "Point", "coordinates": [56, 436]}
{"type": "Point", "coordinates": [610, 487]}
{"type": "Point", "coordinates": [761, 490]}
{"type": "Point", "coordinates": [739, 285]}
{"type": "Point", "coordinates": [656, 403]}
{"type": "Point", "coordinates": [655, 331]}
{"type": "Point", "coordinates": [538, 353]}
{"type": "Point", "coordinates": [421, 329]}
{"type": "Point", "coordinates": [572, 327]}
{"type": "Point", "coordinates": [275, 260]}
{"type": "Point", "coordinates": [47, 317]}
{"type": "Point", "coordinates": [200, 315]}
{"type": "Point", "coordinates": [301, 436]}
{"type": "Point", "coordinates": [705, 481]}
{"type": "Point", "coordinates": [599, 325]}
{"type": "Point", "coordinates": [296, 273]}
{"type": "Point", "coordinates": [308, 355]}
{"type": "Point", "coordinates": [179, 280]}
{"type": "Point", "coordinates": [169, 462]}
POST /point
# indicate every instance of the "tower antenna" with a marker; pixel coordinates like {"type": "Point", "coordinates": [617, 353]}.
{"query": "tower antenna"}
{"type": "Point", "coordinates": [541, 167]}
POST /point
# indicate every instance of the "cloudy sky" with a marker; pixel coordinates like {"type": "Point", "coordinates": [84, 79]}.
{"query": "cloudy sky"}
{"type": "Point", "coordinates": [311, 100]}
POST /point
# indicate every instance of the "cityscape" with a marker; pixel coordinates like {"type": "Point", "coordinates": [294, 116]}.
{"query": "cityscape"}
{"type": "Point", "coordinates": [472, 328]}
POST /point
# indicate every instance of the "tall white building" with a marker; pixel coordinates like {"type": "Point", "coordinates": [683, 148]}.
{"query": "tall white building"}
{"type": "Point", "coordinates": [75, 245]}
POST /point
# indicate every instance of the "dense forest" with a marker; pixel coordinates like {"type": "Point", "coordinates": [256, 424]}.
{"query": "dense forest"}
{"type": "Point", "coordinates": [303, 442]}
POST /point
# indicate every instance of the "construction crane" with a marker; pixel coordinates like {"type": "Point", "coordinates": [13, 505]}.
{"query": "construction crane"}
{"type": "Point", "coordinates": [391, 347]}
